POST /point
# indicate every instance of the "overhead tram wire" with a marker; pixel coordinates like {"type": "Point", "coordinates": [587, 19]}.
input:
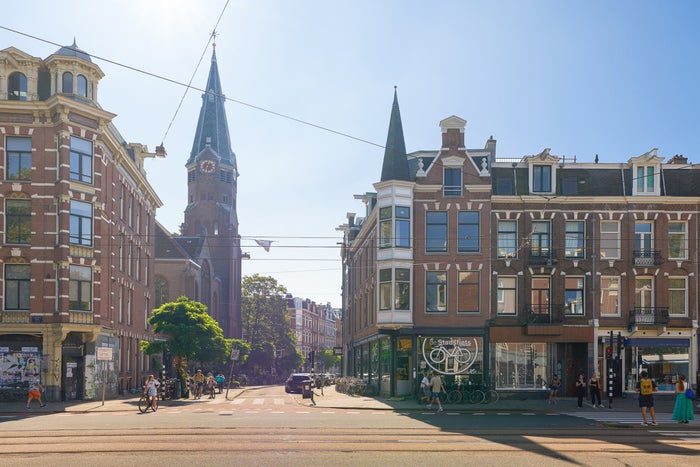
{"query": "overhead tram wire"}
{"type": "Point", "coordinates": [179, 83]}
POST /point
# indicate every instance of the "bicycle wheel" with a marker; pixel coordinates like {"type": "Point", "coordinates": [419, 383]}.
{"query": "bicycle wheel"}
{"type": "Point", "coordinates": [490, 396]}
{"type": "Point", "coordinates": [476, 396]}
{"type": "Point", "coordinates": [454, 397]}
{"type": "Point", "coordinates": [143, 404]}
{"type": "Point", "coordinates": [154, 404]}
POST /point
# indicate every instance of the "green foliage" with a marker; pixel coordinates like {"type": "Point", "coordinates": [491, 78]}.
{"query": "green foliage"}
{"type": "Point", "coordinates": [266, 326]}
{"type": "Point", "coordinates": [191, 334]}
{"type": "Point", "coordinates": [327, 359]}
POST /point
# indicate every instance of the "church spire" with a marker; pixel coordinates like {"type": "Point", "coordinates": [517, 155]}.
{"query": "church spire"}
{"type": "Point", "coordinates": [212, 127]}
{"type": "Point", "coordinates": [395, 166]}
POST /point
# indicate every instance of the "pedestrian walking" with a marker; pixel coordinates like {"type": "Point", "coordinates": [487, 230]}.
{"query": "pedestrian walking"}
{"type": "Point", "coordinates": [35, 390]}
{"type": "Point", "coordinates": [580, 389]}
{"type": "Point", "coordinates": [425, 391]}
{"type": "Point", "coordinates": [554, 384]}
{"type": "Point", "coordinates": [594, 387]}
{"type": "Point", "coordinates": [437, 387]}
{"type": "Point", "coordinates": [683, 409]}
{"type": "Point", "coordinates": [646, 388]}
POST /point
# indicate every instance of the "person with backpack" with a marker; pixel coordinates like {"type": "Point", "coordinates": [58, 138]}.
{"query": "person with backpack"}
{"type": "Point", "coordinates": [646, 388]}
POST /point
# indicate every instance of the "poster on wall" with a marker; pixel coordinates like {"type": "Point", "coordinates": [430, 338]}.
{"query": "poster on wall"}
{"type": "Point", "coordinates": [452, 355]}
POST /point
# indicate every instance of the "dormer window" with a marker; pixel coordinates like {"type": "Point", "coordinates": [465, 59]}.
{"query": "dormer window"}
{"type": "Point", "coordinates": [17, 87]}
{"type": "Point", "coordinates": [645, 180]}
{"type": "Point", "coordinates": [542, 178]}
{"type": "Point", "coordinates": [452, 182]}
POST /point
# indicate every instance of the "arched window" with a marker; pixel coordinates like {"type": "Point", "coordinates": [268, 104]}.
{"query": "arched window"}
{"type": "Point", "coordinates": [67, 82]}
{"type": "Point", "coordinates": [17, 87]}
{"type": "Point", "coordinates": [82, 85]}
{"type": "Point", "coordinates": [161, 291]}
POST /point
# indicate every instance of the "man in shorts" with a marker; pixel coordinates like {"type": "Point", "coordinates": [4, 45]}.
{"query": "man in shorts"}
{"type": "Point", "coordinates": [646, 388]}
{"type": "Point", "coordinates": [35, 390]}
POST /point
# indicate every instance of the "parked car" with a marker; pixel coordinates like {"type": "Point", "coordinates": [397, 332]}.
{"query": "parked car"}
{"type": "Point", "coordinates": [295, 381]}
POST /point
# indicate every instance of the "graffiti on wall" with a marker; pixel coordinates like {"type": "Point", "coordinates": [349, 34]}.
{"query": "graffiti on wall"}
{"type": "Point", "coordinates": [18, 367]}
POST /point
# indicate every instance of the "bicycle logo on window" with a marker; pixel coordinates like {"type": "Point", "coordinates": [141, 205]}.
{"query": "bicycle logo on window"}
{"type": "Point", "coordinates": [450, 356]}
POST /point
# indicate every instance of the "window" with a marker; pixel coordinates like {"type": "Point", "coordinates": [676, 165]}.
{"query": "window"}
{"type": "Point", "coordinates": [539, 296]}
{"type": "Point", "coordinates": [402, 221]}
{"type": "Point", "coordinates": [610, 296]}
{"type": "Point", "coordinates": [82, 85]}
{"type": "Point", "coordinates": [574, 244]}
{"type": "Point", "coordinates": [17, 87]}
{"type": "Point", "coordinates": [385, 289]}
{"type": "Point", "coordinates": [468, 292]}
{"type": "Point", "coordinates": [542, 178]}
{"type": "Point", "coordinates": [129, 299]}
{"type": "Point", "coordinates": [19, 158]}
{"type": "Point", "coordinates": [677, 240]}
{"type": "Point", "coordinates": [540, 240]}
{"type": "Point", "coordinates": [67, 83]}
{"type": "Point", "coordinates": [573, 296]}
{"type": "Point", "coordinates": [468, 231]}
{"type": "Point", "coordinates": [17, 281]}
{"type": "Point", "coordinates": [18, 221]}
{"type": "Point", "coordinates": [645, 179]}
{"type": "Point", "coordinates": [400, 286]}
{"type": "Point", "coordinates": [121, 202]}
{"type": "Point", "coordinates": [80, 288]}
{"type": "Point", "coordinates": [678, 296]}
{"type": "Point", "coordinates": [452, 182]}
{"type": "Point", "coordinates": [80, 160]}
{"type": "Point", "coordinates": [436, 291]}
{"type": "Point", "coordinates": [643, 239]}
{"type": "Point", "coordinates": [506, 296]}
{"type": "Point", "coordinates": [507, 239]}
{"type": "Point", "coordinates": [402, 292]}
{"type": "Point", "coordinates": [643, 292]}
{"type": "Point", "coordinates": [609, 240]}
{"type": "Point", "coordinates": [436, 231]}
{"type": "Point", "coordinates": [80, 223]}
{"type": "Point", "coordinates": [521, 366]}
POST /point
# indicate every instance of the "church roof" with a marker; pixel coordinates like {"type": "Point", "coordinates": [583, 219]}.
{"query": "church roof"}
{"type": "Point", "coordinates": [212, 127]}
{"type": "Point", "coordinates": [395, 166]}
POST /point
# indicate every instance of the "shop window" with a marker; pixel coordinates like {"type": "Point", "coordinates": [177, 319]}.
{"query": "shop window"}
{"type": "Point", "coordinates": [468, 292]}
{"type": "Point", "coordinates": [507, 239]}
{"type": "Point", "coordinates": [610, 296]}
{"type": "Point", "coordinates": [80, 288]}
{"type": "Point", "coordinates": [436, 231]}
{"type": "Point", "coordinates": [19, 158]}
{"type": "Point", "coordinates": [520, 365]}
{"type": "Point", "coordinates": [436, 291]}
{"type": "Point", "coordinates": [468, 231]}
{"type": "Point", "coordinates": [18, 221]}
{"type": "Point", "coordinates": [506, 296]}
{"type": "Point", "coordinates": [17, 282]}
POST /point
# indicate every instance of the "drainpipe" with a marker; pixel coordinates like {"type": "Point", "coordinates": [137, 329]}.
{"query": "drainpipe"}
{"type": "Point", "coordinates": [594, 297]}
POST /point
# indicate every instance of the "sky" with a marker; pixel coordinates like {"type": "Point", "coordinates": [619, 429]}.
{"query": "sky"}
{"type": "Point", "coordinates": [310, 85]}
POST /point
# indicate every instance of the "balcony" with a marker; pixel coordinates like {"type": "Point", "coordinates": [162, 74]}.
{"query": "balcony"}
{"type": "Point", "coordinates": [542, 257]}
{"type": "Point", "coordinates": [543, 314]}
{"type": "Point", "coordinates": [14, 317]}
{"type": "Point", "coordinates": [651, 316]}
{"type": "Point", "coordinates": [647, 258]}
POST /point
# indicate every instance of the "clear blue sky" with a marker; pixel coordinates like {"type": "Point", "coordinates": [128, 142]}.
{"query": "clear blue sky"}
{"type": "Point", "coordinates": [613, 78]}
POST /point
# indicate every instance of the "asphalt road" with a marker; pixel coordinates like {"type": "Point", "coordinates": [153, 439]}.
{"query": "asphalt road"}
{"type": "Point", "coordinates": [268, 427]}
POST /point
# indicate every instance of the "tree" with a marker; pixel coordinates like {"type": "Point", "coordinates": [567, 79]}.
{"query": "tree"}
{"type": "Point", "coordinates": [266, 325]}
{"type": "Point", "coordinates": [190, 333]}
{"type": "Point", "coordinates": [327, 360]}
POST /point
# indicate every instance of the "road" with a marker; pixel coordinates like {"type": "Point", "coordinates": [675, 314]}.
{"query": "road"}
{"type": "Point", "coordinates": [268, 427]}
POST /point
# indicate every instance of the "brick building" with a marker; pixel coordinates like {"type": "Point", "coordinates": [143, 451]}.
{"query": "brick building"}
{"type": "Point", "coordinates": [76, 214]}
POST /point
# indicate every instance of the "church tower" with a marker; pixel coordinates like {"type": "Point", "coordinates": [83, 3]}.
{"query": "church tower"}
{"type": "Point", "coordinates": [211, 207]}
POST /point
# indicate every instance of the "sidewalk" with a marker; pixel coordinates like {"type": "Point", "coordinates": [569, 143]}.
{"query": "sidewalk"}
{"type": "Point", "coordinates": [335, 400]}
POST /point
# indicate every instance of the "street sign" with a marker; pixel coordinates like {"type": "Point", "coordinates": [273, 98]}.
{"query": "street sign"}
{"type": "Point", "coordinates": [235, 353]}
{"type": "Point", "coordinates": [104, 354]}
{"type": "Point", "coordinates": [337, 351]}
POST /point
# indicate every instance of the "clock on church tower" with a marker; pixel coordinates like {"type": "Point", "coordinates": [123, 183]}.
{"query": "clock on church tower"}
{"type": "Point", "coordinates": [207, 166]}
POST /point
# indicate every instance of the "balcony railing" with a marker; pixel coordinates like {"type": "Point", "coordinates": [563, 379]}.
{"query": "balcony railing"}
{"type": "Point", "coordinates": [647, 258]}
{"type": "Point", "coordinates": [651, 315]}
{"type": "Point", "coordinates": [543, 314]}
{"type": "Point", "coordinates": [542, 256]}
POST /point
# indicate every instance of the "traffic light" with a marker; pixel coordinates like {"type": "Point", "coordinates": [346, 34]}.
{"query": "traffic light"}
{"type": "Point", "coordinates": [608, 351]}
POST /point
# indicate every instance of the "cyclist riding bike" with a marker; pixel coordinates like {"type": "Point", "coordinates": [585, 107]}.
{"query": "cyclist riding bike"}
{"type": "Point", "coordinates": [150, 389]}
{"type": "Point", "coordinates": [199, 384]}
{"type": "Point", "coordinates": [211, 386]}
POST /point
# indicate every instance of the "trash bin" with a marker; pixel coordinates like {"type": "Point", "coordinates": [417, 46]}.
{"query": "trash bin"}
{"type": "Point", "coordinates": [306, 389]}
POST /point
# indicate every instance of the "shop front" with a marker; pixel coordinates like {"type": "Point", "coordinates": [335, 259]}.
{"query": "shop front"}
{"type": "Point", "coordinates": [662, 358]}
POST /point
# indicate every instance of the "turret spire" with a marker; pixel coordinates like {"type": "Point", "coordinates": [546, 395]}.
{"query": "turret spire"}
{"type": "Point", "coordinates": [395, 166]}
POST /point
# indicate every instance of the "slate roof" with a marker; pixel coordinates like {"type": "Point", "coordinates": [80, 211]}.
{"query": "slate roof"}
{"type": "Point", "coordinates": [395, 165]}
{"type": "Point", "coordinates": [73, 51]}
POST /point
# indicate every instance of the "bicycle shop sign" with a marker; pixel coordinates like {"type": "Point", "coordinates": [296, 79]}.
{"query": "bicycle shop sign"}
{"type": "Point", "coordinates": [452, 355]}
